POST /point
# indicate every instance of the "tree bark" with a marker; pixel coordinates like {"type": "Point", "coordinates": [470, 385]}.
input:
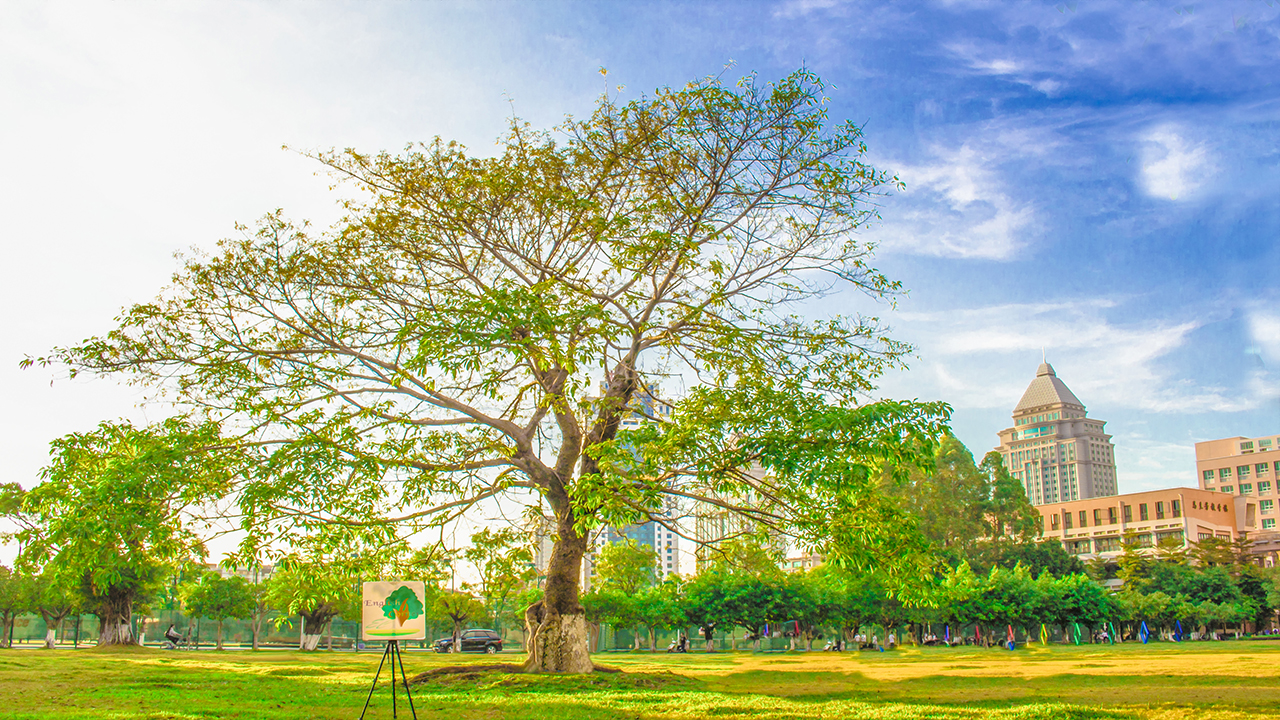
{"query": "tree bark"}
{"type": "Point", "coordinates": [559, 642]}
{"type": "Point", "coordinates": [313, 628]}
{"type": "Point", "coordinates": [115, 615]}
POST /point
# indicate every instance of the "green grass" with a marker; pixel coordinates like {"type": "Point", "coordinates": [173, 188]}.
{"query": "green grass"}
{"type": "Point", "coordinates": [1221, 681]}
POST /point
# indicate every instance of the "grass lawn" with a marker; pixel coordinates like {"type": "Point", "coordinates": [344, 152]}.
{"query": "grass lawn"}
{"type": "Point", "coordinates": [1239, 679]}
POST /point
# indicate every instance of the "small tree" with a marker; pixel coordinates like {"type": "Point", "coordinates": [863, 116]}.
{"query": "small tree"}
{"type": "Point", "coordinates": [705, 603]}
{"type": "Point", "coordinates": [260, 608]}
{"type": "Point", "coordinates": [658, 606]}
{"type": "Point", "coordinates": [17, 596]}
{"type": "Point", "coordinates": [55, 602]}
{"type": "Point", "coordinates": [316, 591]}
{"type": "Point", "coordinates": [458, 607]}
{"type": "Point", "coordinates": [504, 562]}
{"type": "Point", "coordinates": [220, 599]}
{"type": "Point", "coordinates": [626, 566]}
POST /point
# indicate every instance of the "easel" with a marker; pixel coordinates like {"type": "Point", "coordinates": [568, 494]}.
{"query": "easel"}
{"type": "Point", "coordinates": [392, 651]}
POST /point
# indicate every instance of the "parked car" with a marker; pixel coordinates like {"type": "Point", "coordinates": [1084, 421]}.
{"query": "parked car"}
{"type": "Point", "coordinates": [474, 640]}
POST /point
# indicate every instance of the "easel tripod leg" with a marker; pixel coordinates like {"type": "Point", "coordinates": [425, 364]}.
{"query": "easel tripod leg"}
{"type": "Point", "coordinates": [375, 681]}
{"type": "Point", "coordinates": [405, 680]}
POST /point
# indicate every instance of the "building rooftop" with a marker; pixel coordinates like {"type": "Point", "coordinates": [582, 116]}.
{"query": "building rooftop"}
{"type": "Point", "coordinates": [1046, 389]}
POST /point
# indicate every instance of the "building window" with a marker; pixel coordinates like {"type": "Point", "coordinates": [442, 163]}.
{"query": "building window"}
{"type": "Point", "coordinates": [1053, 521]}
{"type": "Point", "coordinates": [1176, 508]}
{"type": "Point", "coordinates": [1084, 519]}
{"type": "Point", "coordinates": [1107, 544]}
{"type": "Point", "coordinates": [1141, 540]}
{"type": "Point", "coordinates": [1160, 510]}
{"type": "Point", "coordinates": [1097, 517]}
{"type": "Point", "coordinates": [1169, 534]}
{"type": "Point", "coordinates": [1111, 516]}
{"type": "Point", "coordinates": [1142, 512]}
{"type": "Point", "coordinates": [1204, 536]}
{"type": "Point", "coordinates": [1266, 506]}
{"type": "Point", "coordinates": [1224, 473]}
{"type": "Point", "coordinates": [1261, 468]}
{"type": "Point", "coordinates": [1127, 512]}
{"type": "Point", "coordinates": [1208, 476]}
{"type": "Point", "coordinates": [1268, 523]}
{"type": "Point", "coordinates": [1246, 446]}
{"type": "Point", "coordinates": [1227, 489]}
{"type": "Point", "coordinates": [1078, 547]}
{"type": "Point", "coordinates": [1242, 472]}
{"type": "Point", "coordinates": [1246, 488]}
{"type": "Point", "coordinates": [1264, 487]}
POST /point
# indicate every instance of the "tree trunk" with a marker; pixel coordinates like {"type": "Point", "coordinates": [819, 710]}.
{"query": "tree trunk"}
{"type": "Point", "coordinates": [219, 634]}
{"type": "Point", "coordinates": [50, 638]}
{"type": "Point", "coordinates": [313, 630]}
{"type": "Point", "coordinates": [559, 642]}
{"type": "Point", "coordinates": [653, 639]}
{"type": "Point", "coordinates": [115, 615]}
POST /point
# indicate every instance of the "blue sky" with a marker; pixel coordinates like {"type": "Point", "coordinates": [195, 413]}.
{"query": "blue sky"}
{"type": "Point", "coordinates": [1101, 180]}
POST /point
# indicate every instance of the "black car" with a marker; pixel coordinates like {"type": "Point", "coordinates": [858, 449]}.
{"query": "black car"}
{"type": "Point", "coordinates": [474, 640]}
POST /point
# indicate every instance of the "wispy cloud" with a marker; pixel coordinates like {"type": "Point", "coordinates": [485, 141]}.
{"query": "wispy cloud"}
{"type": "Point", "coordinates": [1264, 331]}
{"type": "Point", "coordinates": [984, 357]}
{"type": "Point", "coordinates": [1173, 167]}
{"type": "Point", "coordinates": [956, 207]}
{"type": "Point", "coordinates": [798, 8]}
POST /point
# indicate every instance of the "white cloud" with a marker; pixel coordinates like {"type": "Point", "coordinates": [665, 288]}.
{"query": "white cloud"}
{"type": "Point", "coordinates": [1264, 329]}
{"type": "Point", "coordinates": [985, 357]}
{"type": "Point", "coordinates": [799, 8]}
{"type": "Point", "coordinates": [1172, 166]}
{"type": "Point", "coordinates": [954, 207]}
{"type": "Point", "coordinates": [1048, 87]}
{"type": "Point", "coordinates": [996, 67]}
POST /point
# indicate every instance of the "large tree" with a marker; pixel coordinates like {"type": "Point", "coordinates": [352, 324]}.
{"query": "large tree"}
{"type": "Point", "coordinates": [442, 344]}
{"type": "Point", "coordinates": [118, 508]}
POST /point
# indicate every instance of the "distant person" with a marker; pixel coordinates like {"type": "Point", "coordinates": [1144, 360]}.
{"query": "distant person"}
{"type": "Point", "coordinates": [171, 638]}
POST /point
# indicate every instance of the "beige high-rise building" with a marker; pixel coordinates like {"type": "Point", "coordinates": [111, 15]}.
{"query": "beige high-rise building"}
{"type": "Point", "coordinates": [1054, 448]}
{"type": "Point", "coordinates": [1241, 466]}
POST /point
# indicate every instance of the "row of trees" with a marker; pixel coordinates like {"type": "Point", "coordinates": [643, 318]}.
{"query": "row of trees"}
{"type": "Point", "coordinates": [984, 578]}
{"type": "Point", "coordinates": [745, 591]}
{"type": "Point", "coordinates": [312, 591]}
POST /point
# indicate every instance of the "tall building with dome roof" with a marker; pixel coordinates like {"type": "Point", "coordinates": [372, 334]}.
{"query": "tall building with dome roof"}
{"type": "Point", "coordinates": [1054, 448]}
